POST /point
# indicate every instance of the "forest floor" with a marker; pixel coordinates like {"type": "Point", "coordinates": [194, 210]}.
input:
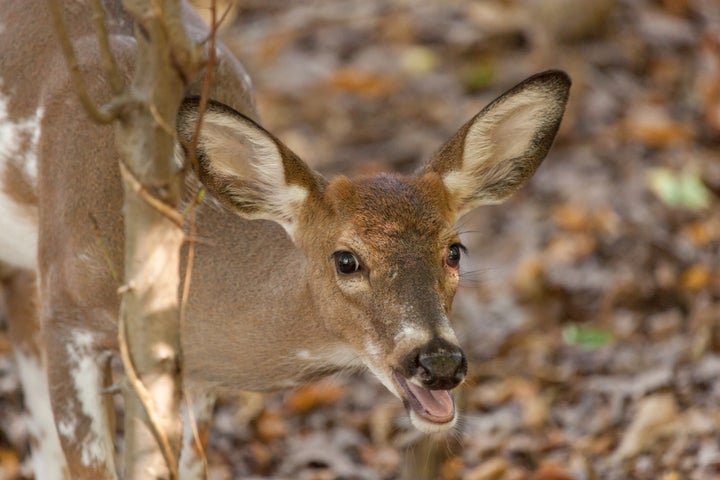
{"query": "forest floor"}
{"type": "Point", "coordinates": [589, 305]}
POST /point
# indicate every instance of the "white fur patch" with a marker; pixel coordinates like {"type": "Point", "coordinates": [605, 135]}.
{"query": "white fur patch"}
{"type": "Point", "coordinates": [18, 234]}
{"type": "Point", "coordinates": [18, 225]}
{"type": "Point", "coordinates": [429, 427]}
{"type": "Point", "coordinates": [411, 334]}
{"type": "Point", "coordinates": [48, 459]}
{"type": "Point", "coordinates": [334, 355]}
{"type": "Point", "coordinates": [97, 446]}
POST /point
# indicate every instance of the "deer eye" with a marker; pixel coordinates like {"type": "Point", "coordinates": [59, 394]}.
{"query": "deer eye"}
{"type": "Point", "coordinates": [452, 259]}
{"type": "Point", "coordinates": [346, 263]}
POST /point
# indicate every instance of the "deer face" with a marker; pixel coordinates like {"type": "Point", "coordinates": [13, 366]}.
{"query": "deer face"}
{"type": "Point", "coordinates": [385, 266]}
{"type": "Point", "coordinates": [382, 255]}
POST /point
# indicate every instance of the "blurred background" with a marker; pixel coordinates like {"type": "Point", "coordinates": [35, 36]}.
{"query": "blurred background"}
{"type": "Point", "coordinates": [590, 302]}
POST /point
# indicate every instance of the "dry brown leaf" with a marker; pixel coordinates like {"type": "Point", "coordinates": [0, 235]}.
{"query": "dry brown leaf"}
{"type": "Point", "coordinates": [572, 217]}
{"type": "Point", "coordinates": [551, 471]}
{"type": "Point", "coordinates": [371, 86]}
{"type": "Point", "coordinates": [271, 425]}
{"type": "Point", "coordinates": [696, 278]}
{"type": "Point", "coordinates": [653, 126]}
{"type": "Point", "coordinates": [529, 278]}
{"type": "Point", "coordinates": [570, 247]}
{"type": "Point", "coordinates": [536, 411]}
{"type": "Point", "coordinates": [451, 468]}
{"type": "Point", "coordinates": [9, 464]}
{"type": "Point", "coordinates": [261, 455]}
{"type": "Point", "coordinates": [384, 459]}
{"type": "Point", "coordinates": [656, 417]}
{"type": "Point", "coordinates": [314, 395]}
{"type": "Point", "coordinates": [493, 469]}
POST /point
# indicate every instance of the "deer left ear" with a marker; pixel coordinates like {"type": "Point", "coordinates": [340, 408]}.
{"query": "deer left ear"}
{"type": "Point", "coordinates": [498, 150]}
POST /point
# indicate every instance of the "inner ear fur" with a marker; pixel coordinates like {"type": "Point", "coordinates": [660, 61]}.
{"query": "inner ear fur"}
{"type": "Point", "coordinates": [499, 149]}
{"type": "Point", "coordinates": [245, 166]}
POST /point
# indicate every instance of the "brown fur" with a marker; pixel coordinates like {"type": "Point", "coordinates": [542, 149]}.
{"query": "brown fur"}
{"type": "Point", "coordinates": [265, 311]}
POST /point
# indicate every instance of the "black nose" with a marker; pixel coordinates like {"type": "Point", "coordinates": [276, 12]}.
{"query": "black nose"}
{"type": "Point", "coordinates": [440, 365]}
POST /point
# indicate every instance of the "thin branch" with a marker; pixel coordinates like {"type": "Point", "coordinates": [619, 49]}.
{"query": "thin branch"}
{"type": "Point", "coordinates": [96, 113]}
{"type": "Point", "coordinates": [192, 223]}
{"type": "Point", "coordinates": [162, 207]}
{"type": "Point", "coordinates": [111, 68]}
{"type": "Point", "coordinates": [163, 124]}
{"type": "Point", "coordinates": [216, 25]}
{"type": "Point", "coordinates": [147, 401]}
{"type": "Point", "coordinates": [195, 431]}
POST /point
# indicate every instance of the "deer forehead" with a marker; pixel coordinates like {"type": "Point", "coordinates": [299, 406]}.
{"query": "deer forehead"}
{"type": "Point", "coordinates": [390, 210]}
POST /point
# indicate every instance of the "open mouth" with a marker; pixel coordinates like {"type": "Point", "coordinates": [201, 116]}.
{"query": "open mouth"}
{"type": "Point", "coordinates": [435, 406]}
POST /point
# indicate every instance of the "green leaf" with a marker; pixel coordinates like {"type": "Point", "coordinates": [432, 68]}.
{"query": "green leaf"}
{"type": "Point", "coordinates": [679, 189]}
{"type": "Point", "coordinates": [583, 336]}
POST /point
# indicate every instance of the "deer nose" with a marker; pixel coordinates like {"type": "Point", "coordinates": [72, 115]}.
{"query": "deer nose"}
{"type": "Point", "coordinates": [441, 366]}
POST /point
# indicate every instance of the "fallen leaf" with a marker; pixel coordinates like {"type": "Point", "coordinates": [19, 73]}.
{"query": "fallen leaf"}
{"type": "Point", "coordinates": [493, 469]}
{"type": "Point", "coordinates": [551, 471]}
{"type": "Point", "coordinates": [271, 426]}
{"type": "Point", "coordinates": [696, 278]}
{"type": "Point", "coordinates": [656, 417]}
{"type": "Point", "coordinates": [369, 85]}
{"type": "Point", "coordinates": [314, 395]}
{"type": "Point", "coordinates": [679, 189]}
{"type": "Point", "coordinates": [653, 126]}
{"type": "Point", "coordinates": [585, 336]}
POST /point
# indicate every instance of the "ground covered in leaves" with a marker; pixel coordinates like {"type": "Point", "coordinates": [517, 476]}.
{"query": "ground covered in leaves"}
{"type": "Point", "coordinates": [590, 302]}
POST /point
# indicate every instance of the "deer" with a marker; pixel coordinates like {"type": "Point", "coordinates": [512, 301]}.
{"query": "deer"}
{"type": "Point", "coordinates": [300, 276]}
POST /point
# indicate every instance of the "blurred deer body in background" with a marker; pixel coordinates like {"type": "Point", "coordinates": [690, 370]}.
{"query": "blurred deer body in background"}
{"type": "Point", "coordinates": [296, 276]}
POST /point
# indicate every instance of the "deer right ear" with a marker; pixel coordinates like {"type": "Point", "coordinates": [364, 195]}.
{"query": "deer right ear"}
{"type": "Point", "coordinates": [498, 150]}
{"type": "Point", "coordinates": [245, 166]}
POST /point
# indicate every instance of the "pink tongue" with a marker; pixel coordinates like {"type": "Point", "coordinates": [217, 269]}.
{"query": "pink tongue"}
{"type": "Point", "coordinates": [437, 403]}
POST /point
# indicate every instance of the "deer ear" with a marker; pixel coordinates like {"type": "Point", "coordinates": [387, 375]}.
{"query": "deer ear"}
{"type": "Point", "coordinates": [245, 166]}
{"type": "Point", "coordinates": [498, 150]}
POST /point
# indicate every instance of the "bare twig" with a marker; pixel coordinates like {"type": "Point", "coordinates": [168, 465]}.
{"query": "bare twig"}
{"type": "Point", "coordinates": [196, 432]}
{"type": "Point", "coordinates": [96, 113]}
{"type": "Point", "coordinates": [166, 210]}
{"type": "Point", "coordinates": [147, 401]}
{"type": "Point", "coordinates": [192, 224]}
{"type": "Point", "coordinates": [111, 68]}
{"type": "Point", "coordinates": [163, 124]}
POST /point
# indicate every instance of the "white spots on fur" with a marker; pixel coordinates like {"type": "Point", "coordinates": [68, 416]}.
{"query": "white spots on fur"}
{"type": "Point", "coordinates": [18, 234]}
{"type": "Point", "coordinates": [67, 425]}
{"type": "Point", "coordinates": [18, 133]}
{"type": "Point", "coordinates": [18, 225]}
{"type": "Point", "coordinates": [86, 374]}
{"type": "Point", "coordinates": [47, 455]}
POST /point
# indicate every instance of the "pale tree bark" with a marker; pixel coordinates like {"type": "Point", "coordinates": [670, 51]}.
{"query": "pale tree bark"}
{"type": "Point", "coordinates": [149, 324]}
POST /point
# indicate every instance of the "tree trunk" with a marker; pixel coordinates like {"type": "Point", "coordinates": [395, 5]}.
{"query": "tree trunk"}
{"type": "Point", "coordinates": [149, 324]}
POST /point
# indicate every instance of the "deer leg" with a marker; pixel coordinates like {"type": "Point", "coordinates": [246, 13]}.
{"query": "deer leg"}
{"type": "Point", "coordinates": [20, 291]}
{"type": "Point", "coordinates": [197, 415]}
{"type": "Point", "coordinates": [77, 373]}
